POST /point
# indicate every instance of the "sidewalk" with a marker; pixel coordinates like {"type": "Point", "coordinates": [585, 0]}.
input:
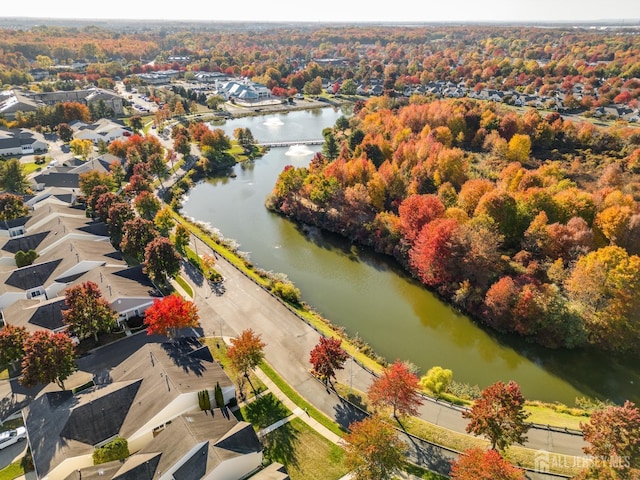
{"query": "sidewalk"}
{"type": "Point", "coordinates": [297, 411]}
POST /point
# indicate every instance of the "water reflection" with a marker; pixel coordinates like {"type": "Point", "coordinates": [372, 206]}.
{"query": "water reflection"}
{"type": "Point", "coordinates": [371, 296]}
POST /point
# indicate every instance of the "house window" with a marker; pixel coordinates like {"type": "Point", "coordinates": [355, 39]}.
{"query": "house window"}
{"type": "Point", "coordinates": [36, 292]}
{"type": "Point", "coordinates": [16, 233]}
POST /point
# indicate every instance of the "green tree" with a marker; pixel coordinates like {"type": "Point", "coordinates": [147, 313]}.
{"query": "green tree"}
{"type": "Point", "coordinates": [330, 148]}
{"type": "Point", "coordinates": [12, 177]}
{"type": "Point", "coordinates": [25, 258]}
{"type": "Point", "coordinates": [89, 312]}
{"type": "Point", "coordinates": [348, 87]}
{"type": "Point", "coordinates": [135, 122]}
{"type": "Point", "coordinates": [48, 357]}
{"type": "Point", "coordinates": [182, 236]}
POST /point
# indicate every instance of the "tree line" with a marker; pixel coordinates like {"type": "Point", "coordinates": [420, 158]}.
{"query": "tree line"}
{"type": "Point", "coordinates": [528, 223]}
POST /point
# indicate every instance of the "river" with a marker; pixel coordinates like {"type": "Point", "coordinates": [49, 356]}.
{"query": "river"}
{"type": "Point", "coordinates": [370, 296]}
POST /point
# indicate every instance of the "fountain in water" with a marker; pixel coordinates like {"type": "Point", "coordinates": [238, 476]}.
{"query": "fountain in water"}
{"type": "Point", "coordinates": [273, 122]}
{"type": "Point", "coordinates": [298, 151]}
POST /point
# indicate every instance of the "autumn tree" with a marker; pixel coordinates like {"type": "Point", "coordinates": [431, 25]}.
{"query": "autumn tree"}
{"type": "Point", "coordinates": [89, 312]}
{"type": "Point", "coordinates": [119, 214]}
{"type": "Point", "coordinates": [327, 357]}
{"type": "Point", "coordinates": [146, 204]}
{"type": "Point", "coordinates": [182, 145]}
{"type": "Point", "coordinates": [12, 206]}
{"type": "Point", "coordinates": [416, 211]}
{"type": "Point", "coordinates": [12, 343]}
{"type": "Point", "coordinates": [499, 415]}
{"type": "Point", "coordinates": [137, 233]}
{"type": "Point", "coordinates": [168, 314]}
{"type": "Point", "coordinates": [12, 177]}
{"type": "Point", "coordinates": [65, 132]}
{"type": "Point", "coordinates": [164, 221]}
{"type": "Point", "coordinates": [48, 357]}
{"type": "Point", "coordinates": [614, 433]}
{"type": "Point", "coordinates": [246, 351]}
{"type": "Point", "coordinates": [182, 236]}
{"type": "Point", "coordinates": [480, 464]}
{"type": "Point", "coordinates": [397, 387]}
{"type": "Point", "coordinates": [161, 259]}
{"type": "Point", "coordinates": [373, 449]}
{"type": "Point", "coordinates": [81, 148]}
{"type": "Point", "coordinates": [605, 287]}
{"type": "Point", "coordinates": [88, 180]}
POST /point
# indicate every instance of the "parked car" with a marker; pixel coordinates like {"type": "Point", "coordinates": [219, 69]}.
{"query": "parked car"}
{"type": "Point", "coordinates": [12, 436]}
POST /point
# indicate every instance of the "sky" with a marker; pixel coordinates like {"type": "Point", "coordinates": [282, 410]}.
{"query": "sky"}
{"type": "Point", "coordinates": [351, 11]}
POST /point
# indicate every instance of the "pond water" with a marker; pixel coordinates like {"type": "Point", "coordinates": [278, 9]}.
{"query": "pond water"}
{"type": "Point", "coordinates": [370, 296]}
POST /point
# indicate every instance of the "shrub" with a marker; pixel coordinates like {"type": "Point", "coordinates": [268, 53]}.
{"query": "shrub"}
{"type": "Point", "coordinates": [25, 258]}
{"type": "Point", "coordinates": [203, 400]}
{"type": "Point", "coordinates": [287, 291]}
{"type": "Point", "coordinates": [117, 449]}
{"type": "Point", "coordinates": [218, 396]}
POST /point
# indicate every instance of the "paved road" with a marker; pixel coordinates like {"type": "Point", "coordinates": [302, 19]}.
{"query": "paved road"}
{"type": "Point", "coordinates": [288, 343]}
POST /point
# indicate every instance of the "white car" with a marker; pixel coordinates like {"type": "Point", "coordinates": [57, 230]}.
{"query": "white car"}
{"type": "Point", "coordinates": [12, 436]}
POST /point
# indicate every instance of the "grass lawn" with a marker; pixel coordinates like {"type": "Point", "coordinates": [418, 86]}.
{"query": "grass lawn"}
{"type": "Point", "coordinates": [28, 168]}
{"type": "Point", "coordinates": [299, 401]}
{"type": "Point", "coordinates": [306, 454]}
{"type": "Point", "coordinates": [219, 352]}
{"type": "Point", "coordinates": [422, 473]}
{"type": "Point", "coordinates": [11, 471]}
{"type": "Point", "coordinates": [263, 411]}
{"type": "Point", "coordinates": [185, 286]}
{"type": "Point", "coordinates": [547, 416]}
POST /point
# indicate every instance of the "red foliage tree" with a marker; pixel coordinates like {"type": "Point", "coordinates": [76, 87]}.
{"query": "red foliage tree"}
{"type": "Point", "coordinates": [416, 211]}
{"type": "Point", "coordinates": [327, 357]}
{"type": "Point", "coordinates": [499, 415]}
{"type": "Point", "coordinates": [397, 387]}
{"type": "Point", "coordinates": [170, 313]}
{"type": "Point", "coordinates": [614, 433]}
{"type": "Point", "coordinates": [432, 254]}
{"type": "Point", "coordinates": [479, 464]}
{"type": "Point", "coordinates": [89, 312]}
{"type": "Point", "coordinates": [48, 357]}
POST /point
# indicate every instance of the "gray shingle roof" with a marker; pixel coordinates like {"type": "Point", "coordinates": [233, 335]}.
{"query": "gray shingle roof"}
{"type": "Point", "coordinates": [32, 276]}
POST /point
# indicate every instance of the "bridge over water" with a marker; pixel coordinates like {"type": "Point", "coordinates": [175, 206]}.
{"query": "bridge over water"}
{"type": "Point", "coordinates": [290, 144]}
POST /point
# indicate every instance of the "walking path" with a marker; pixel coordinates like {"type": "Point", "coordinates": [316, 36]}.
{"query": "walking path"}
{"type": "Point", "coordinates": [288, 339]}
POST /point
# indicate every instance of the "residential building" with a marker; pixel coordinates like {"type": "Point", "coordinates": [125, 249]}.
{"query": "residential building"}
{"type": "Point", "coordinates": [21, 141]}
{"type": "Point", "coordinates": [103, 129]}
{"type": "Point", "coordinates": [151, 400]}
